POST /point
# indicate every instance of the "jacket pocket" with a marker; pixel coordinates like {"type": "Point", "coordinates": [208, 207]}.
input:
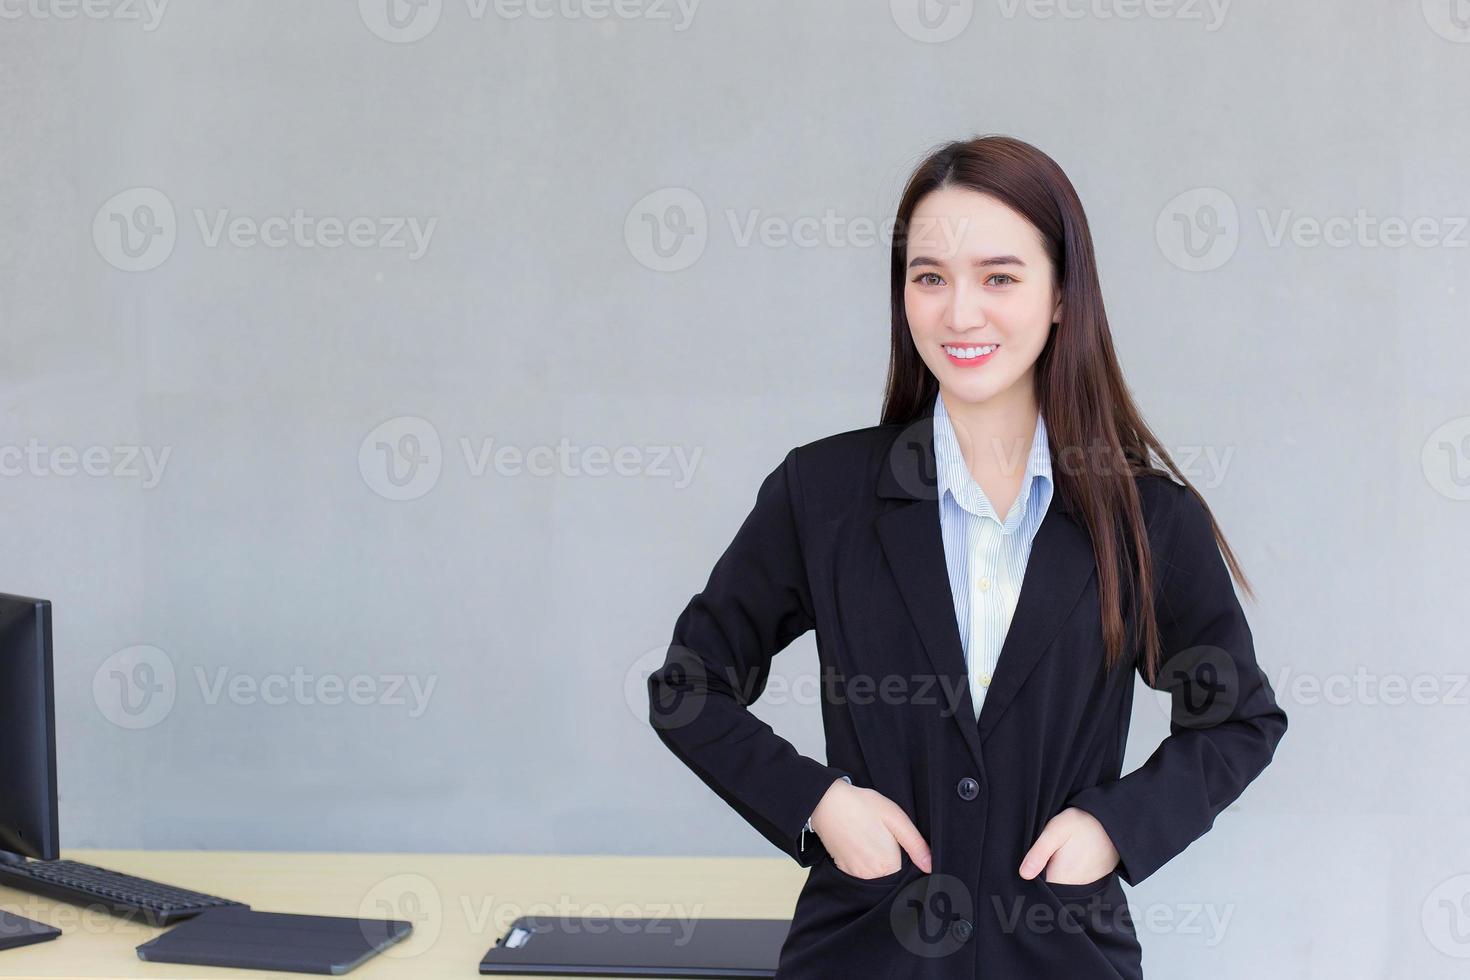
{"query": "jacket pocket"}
{"type": "Point", "coordinates": [1100, 911]}
{"type": "Point", "coordinates": [1087, 889]}
{"type": "Point", "coordinates": [882, 881]}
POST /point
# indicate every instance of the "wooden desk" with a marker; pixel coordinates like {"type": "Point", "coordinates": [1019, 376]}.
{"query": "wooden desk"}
{"type": "Point", "coordinates": [459, 904]}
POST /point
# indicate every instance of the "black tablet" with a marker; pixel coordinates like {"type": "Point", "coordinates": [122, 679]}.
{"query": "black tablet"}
{"type": "Point", "coordinates": [17, 930]}
{"type": "Point", "coordinates": [274, 941]}
{"type": "Point", "coordinates": [654, 947]}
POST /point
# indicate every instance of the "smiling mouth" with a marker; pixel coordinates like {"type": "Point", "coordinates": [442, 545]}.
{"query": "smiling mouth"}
{"type": "Point", "coordinates": [969, 355]}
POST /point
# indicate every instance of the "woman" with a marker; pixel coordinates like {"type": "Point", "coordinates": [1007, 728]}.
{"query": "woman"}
{"type": "Point", "coordinates": [985, 571]}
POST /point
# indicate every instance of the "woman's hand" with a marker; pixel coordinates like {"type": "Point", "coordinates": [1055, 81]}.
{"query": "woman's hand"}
{"type": "Point", "coordinates": [1073, 848]}
{"type": "Point", "coordinates": [864, 831]}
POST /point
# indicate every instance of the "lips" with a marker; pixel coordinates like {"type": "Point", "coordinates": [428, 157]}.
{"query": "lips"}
{"type": "Point", "coordinates": [974, 361]}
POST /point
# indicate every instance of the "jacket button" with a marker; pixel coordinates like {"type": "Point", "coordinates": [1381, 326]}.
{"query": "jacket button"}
{"type": "Point", "coordinates": [968, 788]}
{"type": "Point", "coordinates": [961, 929]}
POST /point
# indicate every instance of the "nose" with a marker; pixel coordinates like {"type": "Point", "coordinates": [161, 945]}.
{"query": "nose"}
{"type": "Point", "coordinates": [967, 309]}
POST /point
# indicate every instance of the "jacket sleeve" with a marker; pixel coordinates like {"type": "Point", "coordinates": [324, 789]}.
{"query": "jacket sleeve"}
{"type": "Point", "coordinates": [1224, 719]}
{"type": "Point", "coordinates": [757, 600]}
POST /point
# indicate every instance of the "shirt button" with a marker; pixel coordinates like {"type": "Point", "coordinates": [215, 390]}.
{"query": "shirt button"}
{"type": "Point", "coordinates": [984, 679]}
{"type": "Point", "coordinates": [984, 584]}
{"type": "Point", "coordinates": [968, 788]}
{"type": "Point", "coordinates": [961, 929]}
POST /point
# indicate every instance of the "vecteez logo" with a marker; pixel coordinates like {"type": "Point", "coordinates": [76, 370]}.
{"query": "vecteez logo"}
{"type": "Point", "coordinates": [136, 230]}
{"type": "Point", "coordinates": [147, 13]}
{"type": "Point", "coordinates": [932, 21]}
{"type": "Point", "coordinates": [1199, 230]}
{"type": "Point", "coordinates": [135, 688]}
{"type": "Point", "coordinates": [1445, 916]}
{"type": "Point", "coordinates": [1450, 19]}
{"type": "Point", "coordinates": [407, 21]}
{"type": "Point", "coordinates": [408, 897]}
{"type": "Point", "coordinates": [138, 687]}
{"type": "Point", "coordinates": [145, 464]}
{"type": "Point", "coordinates": [403, 458]}
{"type": "Point", "coordinates": [400, 21]}
{"type": "Point", "coordinates": [1445, 458]}
{"type": "Point", "coordinates": [667, 230]}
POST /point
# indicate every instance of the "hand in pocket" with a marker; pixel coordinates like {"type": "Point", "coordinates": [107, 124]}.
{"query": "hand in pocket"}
{"type": "Point", "coordinates": [1073, 848]}
{"type": "Point", "coordinates": [866, 832]}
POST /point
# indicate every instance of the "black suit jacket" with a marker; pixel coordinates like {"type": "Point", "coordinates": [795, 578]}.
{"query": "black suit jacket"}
{"type": "Point", "coordinates": [844, 538]}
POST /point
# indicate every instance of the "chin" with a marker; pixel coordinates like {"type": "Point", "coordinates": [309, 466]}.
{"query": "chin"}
{"type": "Point", "coordinates": [968, 389]}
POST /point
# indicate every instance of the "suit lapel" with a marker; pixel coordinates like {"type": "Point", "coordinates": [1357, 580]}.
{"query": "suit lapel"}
{"type": "Point", "coordinates": [1060, 564]}
{"type": "Point", "coordinates": [1058, 569]}
{"type": "Point", "coordinates": [914, 548]}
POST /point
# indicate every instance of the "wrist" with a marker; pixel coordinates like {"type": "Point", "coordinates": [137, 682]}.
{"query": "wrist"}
{"type": "Point", "coordinates": [810, 827]}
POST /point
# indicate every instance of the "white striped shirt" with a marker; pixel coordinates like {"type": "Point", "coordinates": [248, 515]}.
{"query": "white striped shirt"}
{"type": "Point", "coordinates": [986, 556]}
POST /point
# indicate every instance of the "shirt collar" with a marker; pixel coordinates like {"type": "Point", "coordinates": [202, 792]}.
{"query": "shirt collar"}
{"type": "Point", "coordinates": [955, 478]}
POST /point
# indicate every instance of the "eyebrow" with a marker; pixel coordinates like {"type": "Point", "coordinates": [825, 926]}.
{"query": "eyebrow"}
{"type": "Point", "coordinates": [977, 263]}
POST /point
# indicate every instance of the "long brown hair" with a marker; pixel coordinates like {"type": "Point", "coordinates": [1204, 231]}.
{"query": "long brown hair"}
{"type": "Point", "coordinates": [1081, 393]}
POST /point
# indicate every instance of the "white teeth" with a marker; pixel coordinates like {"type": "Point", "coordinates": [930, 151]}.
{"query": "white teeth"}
{"type": "Point", "coordinates": [968, 352]}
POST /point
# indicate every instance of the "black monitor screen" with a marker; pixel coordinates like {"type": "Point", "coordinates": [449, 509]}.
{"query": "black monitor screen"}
{"type": "Point", "coordinates": [28, 821]}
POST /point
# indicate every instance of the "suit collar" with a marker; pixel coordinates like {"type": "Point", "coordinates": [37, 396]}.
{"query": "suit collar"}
{"type": "Point", "coordinates": [1060, 566]}
{"type": "Point", "coordinates": [955, 479]}
{"type": "Point", "coordinates": [910, 470]}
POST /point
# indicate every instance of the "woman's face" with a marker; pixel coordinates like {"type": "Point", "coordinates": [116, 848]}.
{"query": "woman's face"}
{"type": "Point", "coordinates": [978, 275]}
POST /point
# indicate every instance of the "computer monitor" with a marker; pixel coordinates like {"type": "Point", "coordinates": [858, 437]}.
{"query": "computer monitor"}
{"type": "Point", "coordinates": [30, 852]}
{"type": "Point", "coordinates": [28, 811]}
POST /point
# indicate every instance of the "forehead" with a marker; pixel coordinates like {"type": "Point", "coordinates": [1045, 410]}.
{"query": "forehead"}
{"type": "Point", "coordinates": [958, 222]}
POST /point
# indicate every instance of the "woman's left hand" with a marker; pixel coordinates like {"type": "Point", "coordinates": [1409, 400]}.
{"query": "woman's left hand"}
{"type": "Point", "coordinates": [1073, 848]}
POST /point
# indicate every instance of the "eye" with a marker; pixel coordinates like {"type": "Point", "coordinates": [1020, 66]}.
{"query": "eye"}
{"type": "Point", "coordinates": [1002, 275]}
{"type": "Point", "coordinates": [925, 275]}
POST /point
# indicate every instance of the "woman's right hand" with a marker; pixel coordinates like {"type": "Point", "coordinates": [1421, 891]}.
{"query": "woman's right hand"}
{"type": "Point", "coordinates": [864, 831]}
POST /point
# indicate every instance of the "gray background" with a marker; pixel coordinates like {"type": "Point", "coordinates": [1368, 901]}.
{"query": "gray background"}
{"type": "Point", "coordinates": [1315, 392]}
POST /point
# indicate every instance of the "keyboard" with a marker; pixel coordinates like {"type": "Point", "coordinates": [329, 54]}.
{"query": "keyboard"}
{"type": "Point", "coordinates": [117, 893]}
